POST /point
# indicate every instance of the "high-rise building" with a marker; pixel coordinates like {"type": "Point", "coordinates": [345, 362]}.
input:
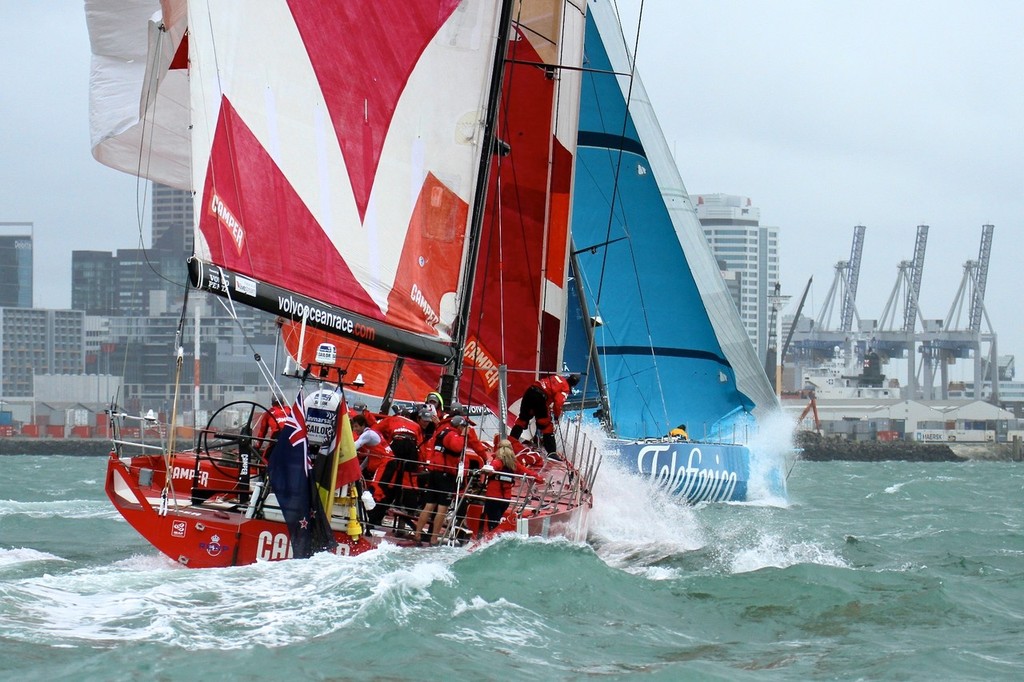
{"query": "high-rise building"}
{"type": "Point", "coordinates": [748, 249]}
{"type": "Point", "coordinates": [172, 219]}
{"type": "Point", "coordinates": [16, 265]}
{"type": "Point", "coordinates": [94, 282]}
{"type": "Point", "coordinates": [38, 341]}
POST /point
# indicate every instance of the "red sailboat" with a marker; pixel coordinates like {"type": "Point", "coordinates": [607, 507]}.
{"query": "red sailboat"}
{"type": "Point", "coordinates": [392, 181]}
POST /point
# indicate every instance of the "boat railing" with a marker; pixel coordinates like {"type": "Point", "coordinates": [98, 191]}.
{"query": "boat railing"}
{"type": "Point", "coordinates": [147, 424]}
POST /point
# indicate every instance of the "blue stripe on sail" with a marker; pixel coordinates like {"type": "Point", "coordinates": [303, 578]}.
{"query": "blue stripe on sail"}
{"type": "Point", "coordinates": [588, 138]}
{"type": "Point", "coordinates": [664, 352]}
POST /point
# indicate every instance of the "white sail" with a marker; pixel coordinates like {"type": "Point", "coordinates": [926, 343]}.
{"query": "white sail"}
{"type": "Point", "coordinates": [138, 90]}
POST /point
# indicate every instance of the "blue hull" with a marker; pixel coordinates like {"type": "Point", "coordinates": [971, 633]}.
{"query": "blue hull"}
{"type": "Point", "coordinates": [697, 472]}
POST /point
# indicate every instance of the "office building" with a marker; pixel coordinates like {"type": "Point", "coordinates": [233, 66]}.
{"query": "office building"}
{"type": "Point", "coordinates": [16, 265]}
{"type": "Point", "coordinates": [38, 341]}
{"type": "Point", "coordinates": [750, 250]}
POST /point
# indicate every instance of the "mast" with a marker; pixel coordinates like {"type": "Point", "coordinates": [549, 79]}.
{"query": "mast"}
{"type": "Point", "coordinates": [450, 379]}
{"type": "Point", "coordinates": [588, 330]}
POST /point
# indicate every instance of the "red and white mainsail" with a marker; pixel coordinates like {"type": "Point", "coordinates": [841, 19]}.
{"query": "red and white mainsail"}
{"type": "Point", "coordinates": [334, 152]}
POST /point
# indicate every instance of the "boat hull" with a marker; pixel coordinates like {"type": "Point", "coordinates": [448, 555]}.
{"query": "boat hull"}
{"type": "Point", "coordinates": [696, 472]}
{"type": "Point", "coordinates": [211, 532]}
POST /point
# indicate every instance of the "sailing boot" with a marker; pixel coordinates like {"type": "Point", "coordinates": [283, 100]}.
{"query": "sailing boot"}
{"type": "Point", "coordinates": [516, 431]}
{"type": "Point", "coordinates": [550, 447]}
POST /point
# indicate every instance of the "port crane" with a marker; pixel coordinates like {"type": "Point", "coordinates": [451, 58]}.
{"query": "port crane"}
{"type": "Point", "coordinates": [946, 340]}
{"type": "Point", "coordinates": [894, 336]}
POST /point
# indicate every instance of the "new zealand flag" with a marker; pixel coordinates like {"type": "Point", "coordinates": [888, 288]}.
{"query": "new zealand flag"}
{"type": "Point", "coordinates": [291, 480]}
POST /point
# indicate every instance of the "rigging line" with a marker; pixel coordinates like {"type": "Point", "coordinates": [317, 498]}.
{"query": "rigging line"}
{"type": "Point", "coordinates": [141, 193]}
{"type": "Point", "coordinates": [150, 90]}
{"type": "Point", "coordinates": [229, 306]}
{"type": "Point", "coordinates": [592, 248]}
{"type": "Point", "coordinates": [618, 153]}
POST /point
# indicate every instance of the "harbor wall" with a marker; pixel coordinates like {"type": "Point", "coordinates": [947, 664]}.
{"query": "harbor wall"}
{"type": "Point", "coordinates": [816, 448]}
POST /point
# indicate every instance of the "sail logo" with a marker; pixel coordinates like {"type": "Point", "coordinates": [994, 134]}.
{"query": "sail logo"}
{"type": "Point", "coordinates": [226, 218]}
{"type": "Point", "coordinates": [482, 361]}
{"type": "Point", "coordinates": [693, 480]}
{"type": "Point", "coordinates": [420, 300]}
{"type": "Point", "coordinates": [289, 307]}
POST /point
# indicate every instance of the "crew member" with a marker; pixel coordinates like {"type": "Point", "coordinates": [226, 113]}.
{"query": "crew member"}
{"type": "Point", "coordinates": [499, 483]}
{"type": "Point", "coordinates": [542, 401]}
{"type": "Point", "coordinates": [449, 444]}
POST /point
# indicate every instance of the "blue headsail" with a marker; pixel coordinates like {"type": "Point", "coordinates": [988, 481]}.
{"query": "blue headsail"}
{"type": "Point", "coordinates": [668, 338]}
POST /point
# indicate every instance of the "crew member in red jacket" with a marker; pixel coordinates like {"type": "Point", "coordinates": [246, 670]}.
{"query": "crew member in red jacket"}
{"type": "Point", "coordinates": [397, 478]}
{"type": "Point", "coordinates": [499, 483]}
{"type": "Point", "coordinates": [543, 401]}
{"type": "Point", "coordinates": [449, 444]}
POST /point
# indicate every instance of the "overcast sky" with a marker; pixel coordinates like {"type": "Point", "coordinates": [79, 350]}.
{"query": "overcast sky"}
{"type": "Point", "coordinates": [826, 114]}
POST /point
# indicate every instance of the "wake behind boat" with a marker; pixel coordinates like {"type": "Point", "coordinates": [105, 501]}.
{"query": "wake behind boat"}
{"type": "Point", "coordinates": [392, 184]}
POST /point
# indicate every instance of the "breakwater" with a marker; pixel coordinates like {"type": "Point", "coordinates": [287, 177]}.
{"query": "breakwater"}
{"type": "Point", "coordinates": [817, 448]}
{"type": "Point", "coordinates": [78, 447]}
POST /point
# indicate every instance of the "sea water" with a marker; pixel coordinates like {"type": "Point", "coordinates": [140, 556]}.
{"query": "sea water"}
{"type": "Point", "coordinates": [873, 571]}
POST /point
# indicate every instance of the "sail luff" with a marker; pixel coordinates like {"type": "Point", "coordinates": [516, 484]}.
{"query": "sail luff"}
{"type": "Point", "coordinates": [519, 306]}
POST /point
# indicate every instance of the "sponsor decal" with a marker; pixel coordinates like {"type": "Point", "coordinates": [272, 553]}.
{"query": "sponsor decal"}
{"type": "Point", "coordinates": [431, 317]}
{"type": "Point", "coordinates": [482, 361]}
{"type": "Point", "coordinates": [178, 529]}
{"type": "Point", "coordinates": [693, 480]}
{"type": "Point", "coordinates": [244, 285]}
{"type": "Point", "coordinates": [213, 547]}
{"type": "Point", "coordinates": [289, 307]}
{"type": "Point", "coordinates": [226, 218]}
{"type": "Point", "coordinates": [272, 546]}
{"type": "Point", "coordinates": [187, 474]}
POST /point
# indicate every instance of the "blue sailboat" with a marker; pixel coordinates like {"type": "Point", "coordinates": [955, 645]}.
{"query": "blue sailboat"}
{"type": "Point", "coordinates": [658, 333]}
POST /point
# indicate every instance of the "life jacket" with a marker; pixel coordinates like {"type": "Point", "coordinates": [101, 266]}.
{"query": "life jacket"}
{"type": "Point", "coordinates": [499, 482]}
{"type": "Point", "coordinates": [445, 457]}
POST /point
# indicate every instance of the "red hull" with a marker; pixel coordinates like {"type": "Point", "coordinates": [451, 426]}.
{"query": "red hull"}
{"type": "Point", "coordinates": [216, 532]}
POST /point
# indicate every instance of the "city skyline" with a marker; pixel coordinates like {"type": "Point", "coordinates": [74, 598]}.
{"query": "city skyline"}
{"type": "Point", "coordinates": [787, 105]}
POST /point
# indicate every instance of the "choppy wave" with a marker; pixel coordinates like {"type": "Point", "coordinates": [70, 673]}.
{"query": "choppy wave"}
{"type": "Point", "coordinates": [883, 570]}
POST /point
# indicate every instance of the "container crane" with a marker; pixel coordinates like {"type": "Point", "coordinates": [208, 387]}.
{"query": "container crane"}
{"type": "Point", "coordinates": [951, 341]}
{"type": "Point", "coordinates": [893, 341]}
{"type": "Point", "coordinates": [815, 339]}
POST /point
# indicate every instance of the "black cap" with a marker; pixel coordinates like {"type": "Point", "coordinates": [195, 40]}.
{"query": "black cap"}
{"type": "Point", "coordinates": [573, 379]}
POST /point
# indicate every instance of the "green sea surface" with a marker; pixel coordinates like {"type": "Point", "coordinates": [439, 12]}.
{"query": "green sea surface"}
{"type": "Point", "coordinates": [873, 571]}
